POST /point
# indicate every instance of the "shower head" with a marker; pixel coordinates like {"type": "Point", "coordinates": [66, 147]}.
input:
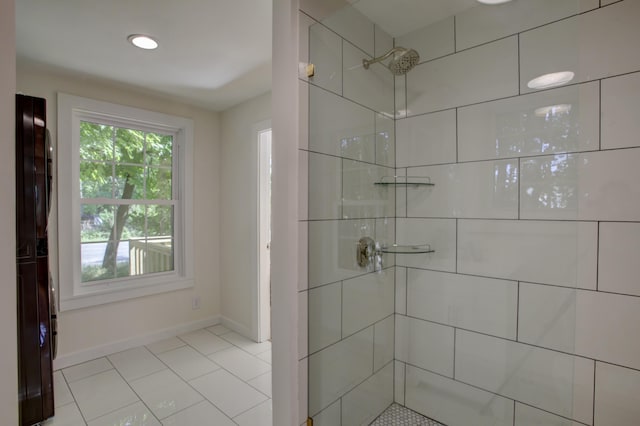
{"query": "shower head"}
{"type": "Point", "coordinates": [402, 61]}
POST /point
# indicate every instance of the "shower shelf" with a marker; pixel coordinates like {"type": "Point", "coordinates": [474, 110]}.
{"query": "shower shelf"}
{"type": "Point", "coordinates": [409, 249]}
{"type": "Point", "coordinates": [405, 180]}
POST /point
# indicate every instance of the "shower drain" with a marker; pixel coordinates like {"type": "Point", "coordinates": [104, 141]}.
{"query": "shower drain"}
{"type": "Point", "coordinates": [397, 415]}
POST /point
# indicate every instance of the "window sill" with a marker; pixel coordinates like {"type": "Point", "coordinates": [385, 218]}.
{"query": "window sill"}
{"type": "Point", "coordinates": [95, 298]}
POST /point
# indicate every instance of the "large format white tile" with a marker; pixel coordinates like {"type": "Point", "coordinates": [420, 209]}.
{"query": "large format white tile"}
{"type": "Point", "coordinates": [165, 345]}
{"type": "Point", "coordinates": [303, 115]}
{"type": "Point", "coordinates": [617, 396]}
{"type": "Point", "coordinates": [589, 186]}
{"type": "Point", "coordinates": [561, 253]}
{"type": "Point", "coordinates": [325, 52]}
{"type": "Point", "coordinates": [325, 187]}
{"type": "Point", "coordinates": [187, 362]}
{"type": "Point", "coordinates": [620, 106]}
{"type": "Point", "coordinates": [263, 383]}
{"type": "Point", "coordinates": [580, 322]}
{"type": "Point", "coordinates": [529, 416]}
{"type": "Point", "coordinates": [66, 415]}
{"type": "Point", "coordinates": [133, 415]}
{"type": "Point", "coordinates": [454, 403]}
{"type": "Point", "coordinates": [400, 89]}
{"type": "Point", "coordinates": [304, 28]}
{"type": "Point", "coordinates": [383, 41]}
{"type": "Point", "coordinates": [425, 345]}
{"type": "Point", "coordinates": [401, 290]}
{"type": "Point", "coordinates": [219, 329]}
{"type": "Point", "coordinates": [86, 369]}
{"type": "Point", "coordinates": [240, 363]}
{"type": "Point", "coordinates": [339, 368]}
{"type": "Point", "coordinates": [228, 393]}
{"type": "Point", "coordinates": [366, 300]}
{"type": "Point", "coordinates": [484, 189]}
{"type": "Point", "coordinates": [102, 393]}
{"type": "Point", "coordinates": [371, 87]}
{"type": "Point", "coordinates": [338, 126]}
{"type": "Point", "coordinates": [352, 25]}
{"type": "Point", "coordinates": [248, 345]}
{"type": "Point", "coordinates": [619, 251]}
{"type": "Point", "coordinates": [432, 41]}
{"type": "Point", "coordinates": [361, 197]}
{"type": "Point", "coordinates": [165, 393]}
{"type": "Point", "coordinates": [385, 140]}
{"type": "Point", "coordinates": [592, 45]}
{"type": "Point", "coordinates": [330, 416]}
{"type": "Point", "coordinates": [553, 381]}
{"type": "Point", "coordinates": [368, 400]}
{"type": "Point", "coordinates": [325, 316]}
{"type": "Point", "coordinates": [135, 363]}
{"type": "Point", "coordinates": [426, 139]}
{"type": "Point", "coordinates": [398, 381]}
{"type": "Point", "coordinates": [480, 24]}
{"type": "Point", "coordinates": [553, 121]}
{"type": "Point", "coordinates": [384, 338]}
{"type": "Point", "coordinates": [61, 390]}
{"type": "Point", "coordinates": [474, 303]}
{"type": "Point", "coordinates": [447, 82]}
{"type": "Point", "coordinates": [261, 415]}
{"type": "Point", "coordinates": [202, 413]}
{"type": "Point", "coordinates": [204, 341]}
{"type": "Point", "coordinates": [332, 254]}
{"type": "Point", "coordinates": [439, 233]}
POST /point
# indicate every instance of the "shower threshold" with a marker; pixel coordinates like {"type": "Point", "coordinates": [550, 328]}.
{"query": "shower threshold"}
{"type": "Point", "coordinates": [397, 415]}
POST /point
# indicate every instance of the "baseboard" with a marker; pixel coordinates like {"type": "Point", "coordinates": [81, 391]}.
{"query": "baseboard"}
{"type": "Point", "coordinates": [237, 327]}
{"type": "Point", "coordinates": [121, 345]}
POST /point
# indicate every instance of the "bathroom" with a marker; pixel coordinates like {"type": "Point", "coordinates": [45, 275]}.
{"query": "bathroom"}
{"type": "Point", "coordinates": [498, 285]}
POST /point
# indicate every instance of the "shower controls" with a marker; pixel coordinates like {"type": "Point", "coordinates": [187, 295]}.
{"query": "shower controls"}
{"type": "Point", "coordinates": [366, 251]}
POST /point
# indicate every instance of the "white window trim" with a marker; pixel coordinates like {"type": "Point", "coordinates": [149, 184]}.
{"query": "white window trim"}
{"type": "Point", "coordinates": [73, 295]}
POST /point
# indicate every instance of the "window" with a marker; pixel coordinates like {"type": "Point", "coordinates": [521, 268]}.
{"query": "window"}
{"type": "Point", "coordinates": [124, 192]}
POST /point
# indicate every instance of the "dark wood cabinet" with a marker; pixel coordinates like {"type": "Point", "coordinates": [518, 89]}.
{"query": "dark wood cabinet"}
{"type": "Point", "coordinates": [33, 184]}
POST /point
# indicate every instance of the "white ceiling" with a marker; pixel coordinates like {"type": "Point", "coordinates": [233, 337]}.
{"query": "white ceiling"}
{"type": "Point", "coordinates": [213, 53]}
{"type": "Point", "coordinates": [399, 17]}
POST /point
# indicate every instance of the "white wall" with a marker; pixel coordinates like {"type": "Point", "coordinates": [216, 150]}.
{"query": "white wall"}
{"type": "Point", "coordinates": [239, 211]}
{"type": "Point", "coordinates": [8, 327]}
{"type": "Point", "coordinates": [83, 329]}
{"type": "Point", "coordinates": [527, 312]}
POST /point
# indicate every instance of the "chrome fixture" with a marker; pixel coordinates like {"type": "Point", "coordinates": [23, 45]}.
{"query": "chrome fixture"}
{"type": "Point", "coordinates": [402, 62]}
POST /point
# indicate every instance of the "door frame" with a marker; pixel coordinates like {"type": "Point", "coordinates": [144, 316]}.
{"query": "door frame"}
{"type": "Point", "coordinates": [262, 312]}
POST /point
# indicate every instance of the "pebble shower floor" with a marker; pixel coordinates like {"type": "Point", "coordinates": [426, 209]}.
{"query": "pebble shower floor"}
{"type": "Point", "coordinates": [397, 415]}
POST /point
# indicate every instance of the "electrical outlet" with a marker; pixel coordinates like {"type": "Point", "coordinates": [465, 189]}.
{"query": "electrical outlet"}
{"type": "Point", "coordinates": [195, 303]}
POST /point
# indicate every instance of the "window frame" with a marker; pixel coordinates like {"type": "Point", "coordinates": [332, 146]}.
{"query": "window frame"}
{"type": "Point", "coordinates": [73, 293]}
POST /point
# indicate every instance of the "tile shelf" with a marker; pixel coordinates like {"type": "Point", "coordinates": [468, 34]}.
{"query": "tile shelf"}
{"type": "Point", "coordinates": [405, 180]}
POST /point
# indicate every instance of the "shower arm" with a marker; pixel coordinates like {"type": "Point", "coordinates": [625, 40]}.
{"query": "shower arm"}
{"type": "Point", "coordinates": [367, 62]}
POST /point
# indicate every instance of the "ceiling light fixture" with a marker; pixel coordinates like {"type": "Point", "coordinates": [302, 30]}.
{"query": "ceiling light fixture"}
{"type": "Point", "coordinates": [493, 1]}
{"type": "Point", "coordinates": [551, 80]}
{"type": "Point", "coordinates": [143, 41]}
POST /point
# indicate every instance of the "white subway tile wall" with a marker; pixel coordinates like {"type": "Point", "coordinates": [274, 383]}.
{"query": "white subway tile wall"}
{"type": "Point", "coordinates": [526, 314]}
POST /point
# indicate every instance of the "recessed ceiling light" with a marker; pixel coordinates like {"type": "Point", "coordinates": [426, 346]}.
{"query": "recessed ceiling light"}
{"type": "Point", "coordinates": [493, 1]}
{"type": "Point", "coordinates": [142, 41]}
{"type": "Point", "coordinates": [551, 80]}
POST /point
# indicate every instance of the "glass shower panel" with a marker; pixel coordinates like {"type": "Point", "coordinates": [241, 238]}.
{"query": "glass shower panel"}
{"type": "Point", "coordinates": [351, 147]}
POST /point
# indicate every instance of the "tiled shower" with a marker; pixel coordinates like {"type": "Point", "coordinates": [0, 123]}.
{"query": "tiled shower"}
{"type": "Point", "coordinates": [528, 311]}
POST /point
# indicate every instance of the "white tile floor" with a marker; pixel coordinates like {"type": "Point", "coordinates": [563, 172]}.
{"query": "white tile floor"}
{"type": "Point", "coordinates": [207, 377]}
